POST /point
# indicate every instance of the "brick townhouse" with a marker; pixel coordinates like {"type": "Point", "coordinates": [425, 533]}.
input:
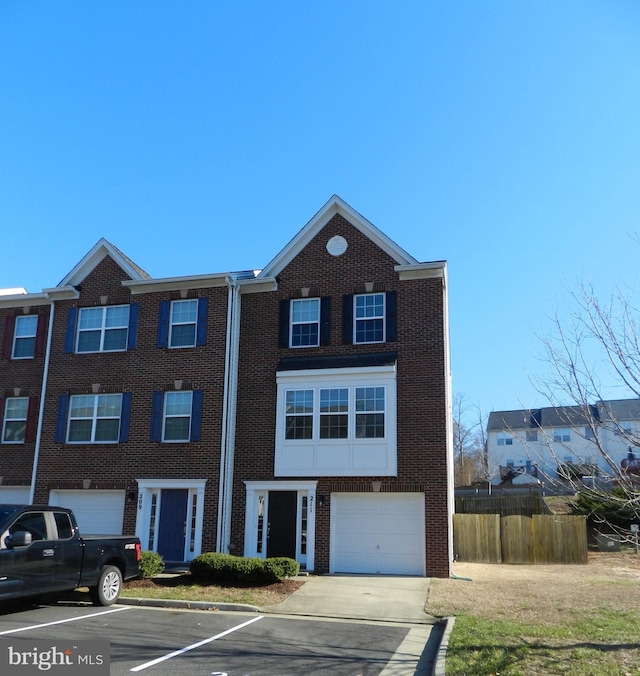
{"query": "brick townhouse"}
{"type": "Point", "coordinates": [300, 411]}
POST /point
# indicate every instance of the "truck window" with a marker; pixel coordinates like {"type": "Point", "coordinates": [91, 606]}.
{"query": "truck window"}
{"type": "Point", "coordinates": [63, 524]}
{"type": "Point", "coordinates": [31, 522]}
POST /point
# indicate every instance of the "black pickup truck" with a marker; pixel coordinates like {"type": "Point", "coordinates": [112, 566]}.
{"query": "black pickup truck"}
{"type": "Point", "coordinates": [42, 551]}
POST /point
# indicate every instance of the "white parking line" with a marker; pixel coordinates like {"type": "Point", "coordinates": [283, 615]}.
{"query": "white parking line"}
{"type": "Point", "coordinates": [71, 619]}
{"type": "Point", "coordinates": [195, 645]}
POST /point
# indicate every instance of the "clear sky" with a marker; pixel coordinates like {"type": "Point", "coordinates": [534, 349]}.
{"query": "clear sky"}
{"type": "Point", "coordinates": [201, 136]}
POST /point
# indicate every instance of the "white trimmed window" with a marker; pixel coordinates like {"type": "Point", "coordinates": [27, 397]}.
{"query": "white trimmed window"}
{"type": "Point", "coordinates": [305, 322]}
{"type": "Point", "coordinates": [336, 422]}
{"type": "Point", "coordinates": [94, 418]}
{"type": "Point", "coordinates": [561, 435]}
{"type": "Point", "coordinates": [183, 323]}
{"type": "Point", "coordinates": [177, 416]}
{"type": "Point", "coordinates": [103, 329]}
{"type": "Point", "coordinates": [14, 425]}
{"type": "Point", "coordinates": [369, 324]}
{"type": "Point", "coordinates": [505, 439]}
{"type": "Point", "coordinates": [24, 337]}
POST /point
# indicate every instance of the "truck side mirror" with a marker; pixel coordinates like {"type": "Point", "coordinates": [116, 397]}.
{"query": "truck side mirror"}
{"type": "Point", "coordinates": [18, 539]}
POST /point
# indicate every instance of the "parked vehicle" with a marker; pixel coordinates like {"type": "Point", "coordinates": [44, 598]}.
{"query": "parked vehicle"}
{"type": "Point", "coordinates": [42, 551]}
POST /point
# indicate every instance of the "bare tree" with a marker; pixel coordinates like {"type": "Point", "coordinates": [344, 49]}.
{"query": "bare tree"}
{"type": "Point", "coordinates": [470, 447]}
{"type": "Point", "coordinates": [595, 342]}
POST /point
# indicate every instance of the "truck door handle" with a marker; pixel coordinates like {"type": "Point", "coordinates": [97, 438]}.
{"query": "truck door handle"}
{"type": "Point", "coordinates": [48, 552]}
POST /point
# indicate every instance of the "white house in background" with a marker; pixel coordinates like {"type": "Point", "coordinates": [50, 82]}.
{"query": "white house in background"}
{"type": "Point", "coordinates": [543, 444]}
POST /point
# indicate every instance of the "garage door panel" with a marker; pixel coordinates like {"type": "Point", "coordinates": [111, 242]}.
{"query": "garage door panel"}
{"type": "Point", "coordinates": [381, 533]}
{"type": "Point", "coordinates": [97, 512]}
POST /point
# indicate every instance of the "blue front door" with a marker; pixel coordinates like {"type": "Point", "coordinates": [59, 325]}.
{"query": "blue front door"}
{"type": "Point", "coordinates": [173, 523]}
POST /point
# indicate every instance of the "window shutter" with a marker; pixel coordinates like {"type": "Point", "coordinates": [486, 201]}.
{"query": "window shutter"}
{"type": "Point", "coordinates": [2, 412]}
{"type": "Point", "coordinates": [347, 319]}
{"type": "Point", "coordinates": [283, 336]}
{"type": "Point", "coordinates": [196, 415]}
{"type": "Point", "coordinates": [39, 348]}
{"type": "Point", "coordinates": [201, 331]}
{"type": "Point", "coordinates": [156, 416]}
{"type": "Point", "coordinates": [30, 431]}
{"type": "Point", "coordinates": [325, 320]}
{"type": "Point", "coordinates": [163, 324]}
{"type": "Point", "coordinates": [391, 316]}
{"type": "Point", "coordinates": [125, 416]}
{"type": "Point", "coordinates": [7, 339]}
{"type": "Point", "coordinates": [70, 338]}
{"type": "Point", "coordinates": [61, 420]}
{"type": "Point", "coordinates": [133, 326]}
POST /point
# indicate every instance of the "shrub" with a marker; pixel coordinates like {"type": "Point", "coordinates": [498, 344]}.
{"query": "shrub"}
{"type": "Point", "coordinates": [211, 566]}
{"type": "Point", "coordinates": [151, 564]}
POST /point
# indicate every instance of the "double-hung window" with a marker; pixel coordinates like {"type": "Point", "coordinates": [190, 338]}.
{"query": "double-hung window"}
{"type": "Point", "coordinates": [94, 418]}
{"type": "Point", "coordinates": [334, 413]}
{"type": "Point", "coordinates": [106, 328]}
{"type": "Point", "coordinates": [370, 405]}
{"type": "Point", "coordinates": [299, 414]}
{"type": "Point", "coordinates": [182, 323]}
{"type": "Point", "coordinates": [504, 439]}
{"type": "Point", "coordinates": [176, 416]}
{"type": "Point", "coordinates": [103, 329]}
{"type": "Point", "coordinates": [561, 435]}
{"type": "Point", "coordinates": [369, 318]}
{"type": "Point", "coordinates": [305, 322]}
{"type": "Point", "coordinates": [14, 425]}
{"type": "Point", "coordinates": [24, 337]}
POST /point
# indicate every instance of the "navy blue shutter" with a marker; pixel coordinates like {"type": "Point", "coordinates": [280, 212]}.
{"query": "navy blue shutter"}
{"type": "Point", "coordinates": [163, 324]}
{"type": "Point", "coordinates": [196, 415]}
{"type": "Point", "coordinates": [325, 320]}
{"type": "Point", "coordinates": [391, 317]}
{"type": "Point", "coordinates": [283, 335]}
{"type": "Point", "coordinates": [201, 333]}
{"type": "Point", "coordinates": [156, 416]}
{"type": "Point", "coordinates": [70, 337]}
{"type": "Point", "coordinates": [125, 416]}
{"type": "Point", "coordinates": [133, 326]}
{"type": "Point", "coordinates": [7, 339]}
{"type": "Point", "coordinates": [61, 420]}
{"type": "Point", "coordinates": [347, 319]}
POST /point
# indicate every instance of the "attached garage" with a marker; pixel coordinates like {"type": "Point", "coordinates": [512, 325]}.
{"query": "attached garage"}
{"type": "Point", "coordinates": [97, 512]}
{"type": "Point", "coordinates": [378, 533]}
{"type": "Point", "coordinates": [15, 495]}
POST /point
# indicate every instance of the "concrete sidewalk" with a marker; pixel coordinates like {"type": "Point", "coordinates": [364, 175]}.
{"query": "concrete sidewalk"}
{"type": "Point", "coordinates": [363, 597]}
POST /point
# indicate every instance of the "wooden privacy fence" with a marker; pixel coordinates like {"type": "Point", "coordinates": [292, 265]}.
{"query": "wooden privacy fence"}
{"type": "Point", "coordinates": [504, 505]}
{"type": "Point", "coordinates": [541, 538]}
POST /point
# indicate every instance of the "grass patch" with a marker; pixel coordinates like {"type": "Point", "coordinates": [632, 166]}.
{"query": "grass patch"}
{"type": "Point", "coordinates": [604, 643]}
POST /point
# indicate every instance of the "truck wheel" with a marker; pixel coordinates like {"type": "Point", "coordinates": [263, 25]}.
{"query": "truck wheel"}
{"type": "Point", "coordinates": [108, 588]}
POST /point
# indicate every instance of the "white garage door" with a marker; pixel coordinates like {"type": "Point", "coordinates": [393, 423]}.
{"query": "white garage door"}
{"type": "Point", "coordinates": [97, 512]}
{"type": "Point", "coordinates": [377, 533]}
{"type": "Point", "coordinates": [15, 495]}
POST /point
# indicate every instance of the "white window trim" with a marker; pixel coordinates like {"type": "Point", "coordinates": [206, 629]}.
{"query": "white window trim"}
{"type": "Point", "coordinates": [16, 337]}
{"type": "Point", "coordinates": [504, 439]}
{"type": "Point", "coordinates": [94, 419]}
{"type": "Point", "coordinates": [165, 416]}
{"type": "Point", "coordinates": [352, 378]}
{"type": "Point", "coordinates": [5, 419]}
{"type": "Point", "coordinates": [255, 489]}
{"type": "Point", "coordinates": [194, 323]}
{"type": "Point", "coordinates": [146, 488]}
{"type": "Point", "coordinates": [363, 319]}
{"type": "Point", "coordinates": [103, 328]}
{"type": "Point", "coordinates": [292, 323]}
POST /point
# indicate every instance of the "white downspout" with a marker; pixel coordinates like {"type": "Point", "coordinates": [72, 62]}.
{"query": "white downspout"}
{"type": "Point", "coordinates": [45, 374]}
{"type": "Point", "coordinates": [228, 421]}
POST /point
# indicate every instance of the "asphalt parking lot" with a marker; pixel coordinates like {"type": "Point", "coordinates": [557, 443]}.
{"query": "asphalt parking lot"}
{"type": "Point", "coordinates": [155, 641]}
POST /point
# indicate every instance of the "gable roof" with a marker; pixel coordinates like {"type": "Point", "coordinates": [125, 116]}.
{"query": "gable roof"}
{"type": "Point", "coordinates": [95, 256]}
{"type": "Point", "coordinates": [334, 206]}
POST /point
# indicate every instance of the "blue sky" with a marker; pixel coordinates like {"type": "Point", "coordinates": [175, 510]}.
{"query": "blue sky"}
{"type": "Point", "coordinates": [201, 136]}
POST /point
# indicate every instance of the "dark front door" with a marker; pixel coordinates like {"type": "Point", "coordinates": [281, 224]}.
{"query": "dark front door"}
{"type": "Point", "coordinates": [173, 523]}
{"type": "Point", "coordinates": [281, 533]}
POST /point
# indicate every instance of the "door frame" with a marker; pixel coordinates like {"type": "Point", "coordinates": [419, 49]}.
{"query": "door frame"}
{"type": "Point", "coordinates": [148, 508]}
{"type": "Point", "coordinates": [255, 531]}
